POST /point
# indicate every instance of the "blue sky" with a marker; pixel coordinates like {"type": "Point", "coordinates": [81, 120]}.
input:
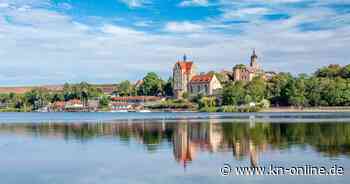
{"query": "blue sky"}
{"type": "Point", "coordinates": [106, 41]}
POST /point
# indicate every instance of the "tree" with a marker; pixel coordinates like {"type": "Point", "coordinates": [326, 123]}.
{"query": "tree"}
{"type": "Point", "coordinates": [57, 97]}
{"type": "Point", "coordinates": [37, 98]}
{"type": "Point", "coordinates": [329, 71]}
{"type": "Point", "coordinates": [208, 104]}
{"type": "Point", "coordinates": [296, 91]}
{"type": "Point", "coordinates": [152, 85]}
{"type": "Point", "coordinates": [276, 88]}
{"type": "Point", "coordinates": [104, 101]}
{"type": "Point", "coordinates": [125, 88]}
{"type": "Point", "coordinates": [220, 76]}
{"type": "Point", "coordinates": [314, 90]}
{"type": "Point", "coordinates": [233, 94]}
{"type": "Point", "coordinates": [168, 87]}
{"type": "Point", "coordinates": [256, 89]}
{"type": "Point", "coordinates": [336, 92]}
{"type": "Point", "coordinates": [345, 72]}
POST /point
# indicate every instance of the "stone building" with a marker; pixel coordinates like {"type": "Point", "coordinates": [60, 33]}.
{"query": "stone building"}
{"type": "Point", "coordinates": [183, 72]}
{"type": "Point", "coordinates": [186, 81]}
{"type": "Point", "coordinates": [247, 73]}
{"type": "Point", "coordinates": [204, 84]}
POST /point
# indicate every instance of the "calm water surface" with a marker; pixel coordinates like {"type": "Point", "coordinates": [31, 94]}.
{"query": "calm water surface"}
{"type": "Point", "coordinates": [109, 148]}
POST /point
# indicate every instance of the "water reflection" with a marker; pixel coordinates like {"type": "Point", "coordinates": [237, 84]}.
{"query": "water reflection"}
{"type": "Point", "coordinates": [244, 140]}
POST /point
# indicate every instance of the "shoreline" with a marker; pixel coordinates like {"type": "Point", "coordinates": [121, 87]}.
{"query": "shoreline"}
{"type": "Point", "coordinates": [268, 110]}
{"type": "Point", "coordinates": [307, 109]}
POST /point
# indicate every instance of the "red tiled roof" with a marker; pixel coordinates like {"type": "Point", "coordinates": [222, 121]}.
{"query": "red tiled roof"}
{"type": "Point", "coordinates": [74, 101]}
{"type": "Point", "coordinates": [185, 66]}
{"type": "Point", "coordinates": [201, 78]}
{"type": "Point", "coordinates": [59, 104]}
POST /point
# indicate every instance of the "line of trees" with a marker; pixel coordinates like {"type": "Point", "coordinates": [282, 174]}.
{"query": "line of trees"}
{"type": "Point", "coordinates": [152, 85]}
{"type": "Point", "coordinates": [328, 86]}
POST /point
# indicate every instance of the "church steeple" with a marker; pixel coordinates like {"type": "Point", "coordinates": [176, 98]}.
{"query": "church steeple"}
{"type": "Point", "coordinates": [185, 57]}
{"type": "Point", "coordinates": [254, 54]}
{"type": "Point", "coordinates": [254, 60]}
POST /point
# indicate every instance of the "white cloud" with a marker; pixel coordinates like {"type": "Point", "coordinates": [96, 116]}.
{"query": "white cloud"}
{"type": "Point", "coordinates": [244, 12]}
{"type": "Point", "coordinates": [194, 3]}
{"type": "Point", "coordinates": [41, 47]}
{"type": "Point", "coordinates": [183, 27]}
{"type": "Point", "coordinates": [135, 3]}
{"type": "Point", "coordinates": [143, 23]}
{"type": "Point", "coordinates": [4, 5]}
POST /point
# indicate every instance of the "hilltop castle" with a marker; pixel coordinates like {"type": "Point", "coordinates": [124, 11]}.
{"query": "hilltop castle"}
{"type": "Point", "coordinates": [247, 73]}
{"type": "Point", "coordinates": [185, 79]}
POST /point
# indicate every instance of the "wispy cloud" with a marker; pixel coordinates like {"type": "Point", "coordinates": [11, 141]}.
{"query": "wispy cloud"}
{"type": "Point", "coordinates": [244, 13]}
{"type": "Point", "coordinates": [135, 3]}
{"type": "Point", "coordinates": [187, 3]}
{"type": "Point", "coordinates": [183, 27]}
{"type": "Point", "coordinates": [56, 47]}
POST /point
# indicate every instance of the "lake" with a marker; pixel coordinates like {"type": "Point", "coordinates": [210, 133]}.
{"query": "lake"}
{"type": "Point", "coordinates": [110, 148]}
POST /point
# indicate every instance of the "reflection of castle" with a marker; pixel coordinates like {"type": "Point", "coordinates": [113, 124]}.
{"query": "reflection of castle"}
{"type": "Point", "coordinates": [247, 147]}
{"type": "Point", "coordinates": [189, 139]}
{"type": "Point", "coordinates": [183, 148]}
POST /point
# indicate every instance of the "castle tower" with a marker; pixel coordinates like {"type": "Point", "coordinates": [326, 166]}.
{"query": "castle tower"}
{"type": "Point", "coordinates": [183, 71]}
{"type": "Point", "coordinates": [254, 61]}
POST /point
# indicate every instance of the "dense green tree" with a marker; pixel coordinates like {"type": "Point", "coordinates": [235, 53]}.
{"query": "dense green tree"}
{"type": "Point", "coordinates": [168, 87]}
{"type": "Point", "coordinates": [104, 101]}
{"type": "Point", "coordinates": [296, 91]}
{"type": "Point", "coordinates": [313, 92]}
{"type": "Point", "coordinates": [125, 88]}
{"type": "Point", "coordinates": [345, 72]}
{"type": "Point", "coordinates": [207, 102]}
{"type": "Point", "coordinates": [152, 85]}
{"type": "Point", "coordinates": [276, 88]}
{"type": "Point", "coordinates": [234, 93]}
{"type": "Point", "coordinates": [329, 71]}
{"type": "Point", "coordinates": [256, 89]}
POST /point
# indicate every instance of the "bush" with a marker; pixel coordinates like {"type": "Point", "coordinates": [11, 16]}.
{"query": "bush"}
{"type": "Point", "coordinates": [228, 108]}
{"type": "Point", "coordinates": [173, 104]}
{"type": "Point", "coordinates": [208, 109]}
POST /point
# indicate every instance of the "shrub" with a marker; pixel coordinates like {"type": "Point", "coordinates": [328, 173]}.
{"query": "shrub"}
{"type": "Point", "coordinates": [228, 108]}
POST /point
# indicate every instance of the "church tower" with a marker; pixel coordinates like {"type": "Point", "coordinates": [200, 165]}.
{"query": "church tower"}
{"type": "Point", "coordinates": [183, 72]}
{"type": "Point", "coordinates": [254, 61]}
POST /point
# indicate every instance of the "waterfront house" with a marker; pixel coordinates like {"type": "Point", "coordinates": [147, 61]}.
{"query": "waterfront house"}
{"type": "Point", "coordinates": [205, 84]}
{"type": "Point", "coordinates": [58, 106]}
{"type": "Point", "coordinates": [74, 105]}
{"type": "Point", "coordinates": [137, 100]}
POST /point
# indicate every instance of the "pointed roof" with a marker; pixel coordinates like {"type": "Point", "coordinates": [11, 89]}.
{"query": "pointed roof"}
{"type": "Point", "coordinates": [185, 66]}
{"type": "Point", "coordinates": [254, 54]}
